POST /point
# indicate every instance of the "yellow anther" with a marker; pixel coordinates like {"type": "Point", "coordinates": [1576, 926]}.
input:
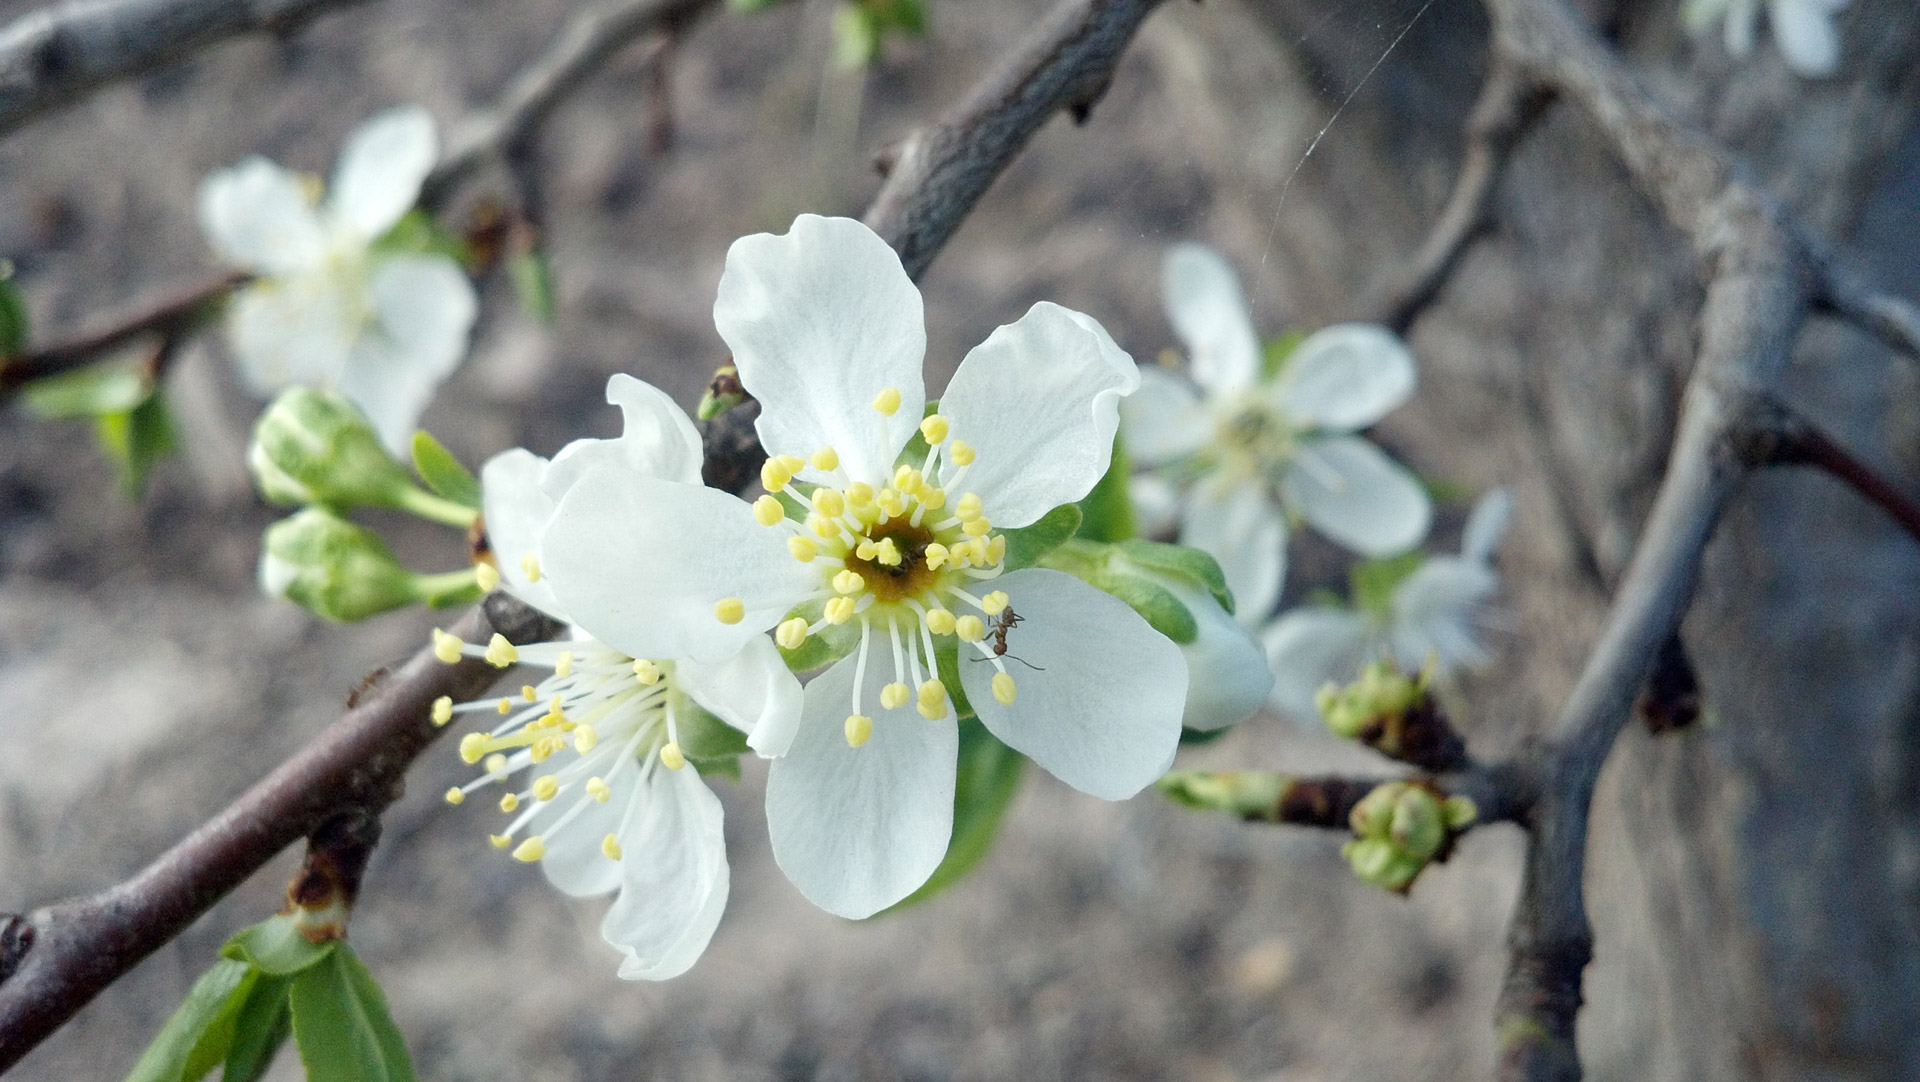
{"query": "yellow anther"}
{"type": "Point", "coordinates": [940, 622]}
{"type": "Point", "coordinates": [803, 549]}
{"type": "Point", "coordinates": [907, 480]}
{"type": "Point", "coordinates": [839, 610]}
{"type": "Point", "coordinates": [672, 756]}
{"type": "Point", "coordinates": [599, 790]}
{"type": "Point", "coordinates": [610, 847]}
{"type": "Point", "coordinates": [968, 507]}
{"type": "Point", "coordinates": [472, 747]}
{"type": "Point", "coordinates": [960, 453]}
{"type": "Point", "coordinates": [978, 550]}
{"type": "Point", "coordinates": [443, 710]}
{"type": "Point", "coordinates": [933, 499]}
{"type": "Point", "coordinates": [994, 603]}
{"type": "Point", "coordinates": [894, 696]}
{"type": "Point", "coordinates": [528, 693]}
{"type": "Point", "coordinates": [769, 511]}
{"type": "Point", "coordinates": [456, 795]}
{"type": "Point", "coordinates": [933, 700]}
{"type": "Point", "coordinates": [1003, 689]}
{"type": "Point", "coordinates": [563, 668]}
{"type": "Point", "coordinates": [935, 555]}
{"type": "Point", "coordinates": [446, 647]}
{"type": "Point", "coordinates": [500, 652]}
{"type": "Point", "coordinates": [542, 750]}
{"type": "Point", "coordinates": [530, 850]}
{"type": "Point", "coordinates": [791, 464]}
{"type": "Point", "coordinates": [934, 428]}
{"type": "Point", "coordinates": [791, 634]}
{"type": "Point", "coordinates": [546, 788]}
{"type": "Point", "coordinates": [976, 527]}
{"type": "Point", "coordinates": [996, 550]}
{"type": "Point", "coordinates": [500, 841]}
{"type": "Point", "coordinates": [970, 628]}
{"type": "Point", "coordinates": [772, 477]}
{"type": "Point", "coordinates": [509, 803]}
{"type": "Point", "coordinates": [891, 503]}
{"type": "Point", "coordinates": [826, 458]}
{"type": "Point", "coordinates": [859, 729]}
{"type": "Point", "coordinates": [866, 549]}
{"type": "Point", "coordinates": [887, 553]}
{"type": "Point", "coordinates": [859, 495]}
{"type": "Point", "coordinates": [646, 672]}
{"type": "Point", "coordinates": [496, 765]}
{"type": "Point", "coordinates": [823, 528]}
{"type": "Point", "coordinates": [729, 610]}
{"type": "Point", "coordinates": [530, 566]}
{"type": "Point", "coordinates": [506, 707]}
{"type": "Point", "coordinates": [829, 502]}
{"type": "Point", "coordinates": [887, 402]}
{"type": "Point", "coordinates": [488, 576]}
{"type": "Point", "coordinates": [584, 739]}
{"type": "Point", "coordinates": [849, 582]}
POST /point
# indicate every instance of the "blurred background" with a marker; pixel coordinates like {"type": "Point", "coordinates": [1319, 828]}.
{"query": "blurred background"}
{"type": "Point", "coordinates": [1754, 879]}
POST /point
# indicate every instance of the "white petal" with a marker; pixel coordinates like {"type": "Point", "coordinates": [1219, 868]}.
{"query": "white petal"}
{"type": "Point", "coordinates": [1741, 20]}
{"type": "Point", "coordinates": [1164, 419]}
{"type": "Point", "coordinates": [1351, 491]}
{"type": "Point", "coordinates": [858, 829]}
{"type": "Point", "coordinates": [1437, 611]}
{"type": "Point", "coordinates": [575, 863]}
{"type": "Point", "coordinates": [1156, 505]}
{"type": "Point", "coordinates": [658, 440]}
{"type": "Point", "coordinates": [1039, 400]}
{"type": "Point", "coordinates": [821, 320]}
{"type": "Point", "coordinates": [640, 563]}
{"type": "Point", "coordinates": [1102, 713]}
{"type": "Point", "coordinates": [296, 330]}
{"type": "Point", "coordinates": [1209, 312]}
{"type": "Point", "coordinates": [1345, 377]}
{"type": "Point", "coordinates": [423, 307]}
{"type": "Point", "coordinates": [378, 176]}
{"type": "Point", "coordinates": [1227, 674]}
{"type": "Point", "coordinates": [753, 691]}
{"type": "Point", "coordinates": [257, 217]}
{"type": "Point", "coordinates": [673, 877]}
{"type": "Point", "coordinates": [1242, 528]}
{"type": "Point", "coordinates": [516, 512]}
{"type": "Point", "coordinates": [1309, 647]}
{"type": "Point", "coordinates": [1486, 524]}
{"type": "Point", "coordinates": [1806, 35]}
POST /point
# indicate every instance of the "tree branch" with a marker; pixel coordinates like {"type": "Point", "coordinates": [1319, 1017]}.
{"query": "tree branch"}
{"type": "Point", "coordinates": [57, 54]}
{"type": "Point", "coordinates": [170, 317]}
{"type": "Point", "coordinates": [1893, 320]}
{"type": "Point", "coordinates": [1779, 436]}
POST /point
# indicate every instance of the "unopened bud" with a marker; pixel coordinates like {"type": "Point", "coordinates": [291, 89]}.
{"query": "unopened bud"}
{"type": "Point", "coordinates": [722, 394]}
{"type": "Point", "coordinates": [1382, 691]}
{"type": "Point", "coordinates": [340, 571]}
{"type": "Point", "coordinates": [1401, 827]}
{"type": "Point", "coordinates": [315, 447]}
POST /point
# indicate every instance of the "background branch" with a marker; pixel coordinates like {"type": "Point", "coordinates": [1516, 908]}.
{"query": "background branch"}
{"type": "Point", "coordinates": [170, 317]}
{"type": "Point", "coordinates": [1893, 320]}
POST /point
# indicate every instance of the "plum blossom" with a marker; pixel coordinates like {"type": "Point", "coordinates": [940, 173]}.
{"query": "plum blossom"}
{"type": "Point", "coordinates": [1803, 30]}
{"type": "Point", "coordinates": [891, 551]}
{"type": "Point", "coordinates": [327, 307]}
{"type": "Point", "coordinates": [612, 803]}
{"type": "Point", "coordinates": [1251, 452]}
{"type": "Point", "coordinates": [1435, 615]}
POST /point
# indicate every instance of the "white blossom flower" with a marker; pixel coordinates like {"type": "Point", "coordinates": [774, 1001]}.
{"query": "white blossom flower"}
{"type": "Point", "coordinates": [899, 560]}
{"type": "Point", "coordinates": [328, 308]}
{"type": "Point", "coordinates": [1803, 29]}
{"type": "Point", "coordinates": [615, 805]}
{"type": "Point", "coordinates": [1436, 615]}
{"type": "Point", "coordinates": [1251, 450]}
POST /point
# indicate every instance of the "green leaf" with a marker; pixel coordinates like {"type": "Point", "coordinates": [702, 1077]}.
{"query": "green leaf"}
{"type": "Point", "coordinates": [442, 472]}
{"type": "Point", "coordinates": [1373, 581]}
{"type": "Point", "coordinates": [1277, 352]}
{"type": "Point", "coordinates": [276, 947]}
{"type": "Point", "coordinates": [87, 392]}
{"type": "Point", "coordinates": [1107, 511]}
{"type": "Point", "coordinates": [856, 36]}
{"type": "Point", "coordinates": [1156, 604]}
{"type": "Point", "coordinates": [261, 1028]}
{"type": "Point", "coordinates": [1026, 545]}
{"type": "Point", "coordinates": [946, 659]}
{"type": "Point", "coordinates": [1180, 561]}
{"type": "Point", "coordinates": [137, 439]}
{"type": "Point", "coordinates": [989, 777]}
{"type": "Point", "coordinates": [751, 5]}
{"type": "Point", "coordinates": [341, 1024]}
{"type": "Point", "coordinates": [13, 315]}
{"type": "Point", "coordinates": [532, 278]}
{"type": "Point", "coordinates": [420, 233]}
{"type": "Point", "coordinates": [199, 1034]}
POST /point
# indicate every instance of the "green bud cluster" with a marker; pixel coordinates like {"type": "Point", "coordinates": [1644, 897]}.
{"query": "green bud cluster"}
{"type": "Point", "coordinates": [1401, 827]}
{"type": "Point", "coordinates": [1382, 691]}
{"type": "Point", "coordinates": [1249, 794]}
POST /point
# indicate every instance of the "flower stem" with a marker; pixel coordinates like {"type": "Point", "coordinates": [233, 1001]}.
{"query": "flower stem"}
{"type": "Point", "coordinates": [434, 508]}
{"type": "Point", "coordinates": [447, 588]}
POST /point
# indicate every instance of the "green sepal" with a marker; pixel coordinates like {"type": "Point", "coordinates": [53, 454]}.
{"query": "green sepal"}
{"type": "Point", "coordinates": [201, 1031]}
{"type": "Point", "coordinates": [420, 233]}
{"type": "Point", "coordinates": [834, 641]}
{"type": "Point", "coordinates": [276, 947]}
{"type": "Point", "coordinates": [946, 659]}
{"type": "Point", "coordinates": [88, 392]}
{"type": "Point", "coordinates": [1107, 511]}
{"type": "Point", "coordinates": [703, 735]}
{"type": "Point", "coordinates": [1027, 545]}
{"type": "Point", "coordinates": [442, 472]}
{"type": "Point", "coordinates": [341, 1024]}
{"type": "Point", "coordinates": [1180, 561]}
{"type": "Point", "coordinates": [13, 314]}
{"type": "Point", "coordinates": [532, 278]}
{"type": "Point", "coordinates": [1372, 582]}
{"type": "Point", "coordinates": [1196, 737]}
{"type": "Point", "coordinates": [1276, 352]}
{"type": "Point", "coordinates": [728, 768]}
{"type": "Point", "coordinates": [989, 776]}
{"type": "Point", "coordinates": [1156, 604]}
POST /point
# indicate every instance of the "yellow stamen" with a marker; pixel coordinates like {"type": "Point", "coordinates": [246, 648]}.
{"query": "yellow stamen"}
{"type": "Point", "coordinates": [970, 628]}
{"type": "Point", "coordinates": [859, 495]}
{"type": "Point", "coordinates": [978, 551]}
{"type": "Point", "coordinates": [530, 566]}
{"type": "Point", "coordinates": [996, 549]}
{"type": "Point", "coordinates": [672, 756]}
{"type": "Point", "coordinates": [772, 477]}
{"type": "Point", "coordinates": [510, 803]}
{"type": "Point", "coordinates": [646, 672]}
{"type": "Point", "coordinates": [960, 453]}
{"type": "Point", "coordinates": [935, 555]}
{"type": "Point", "coordinates": [802, 548]}
{"type": "Point", "coordinates": [584, 739]}
{"type": "Point", "coordinates": [907, 480]}
{"type": "Point", "coordinates": [506, 707]}
{"type": "Point", "coordinates": [530, 850]}
{"type": "Point", "coordinates": [866, 549]}
{"type": "Point", "coordinates": [839, 610]}
{"type": "Point", "coordinates": [1003, 689]}
{"type": "Point", "coordinates": [933, 700]}
{"type": "Point", "coordinates": [729, 610]}
{"type": "Point", "coordinates": [599, 790]}
{"type": "Point", "coordinates": [500, 841]}
{"type": "Point", "coordinates": [500, 652]}
{"type": "Point", "coordinates": [887, 402]}
{"type": "Point", "coordinates": [527, 693]}
{"type": "Point", "coordinates": [976, 527]}
{"type": "Point", "coordinates": [455, 795]}
{"type": "Point", "coordinates": [829, 502]}
{"type": "Point", "coordinates": [994, 603]}
{"type": "Point", "coordinates": [488, 576]}
{"type": "Point", "coordinates": [934, 428]}
{"type": "Point", "coordinates": [546, 788]}
{"type": "Point", "coordinates": [823, 528]}
{"type": "Point", "coordinates": [859, 729]}
{"type": "Point", "coordinates": [968, 507]}
{"type": "Point", "coordinates": [443, 710]}
{"type": "Point", "coordinates": [887, 553]}
{"type": "Point", "coordinates": [791, 634]}
{"type": "Point", "coordinates": [940, 622]}
{"type": "Point", "coordinates": [472, 747]}
{"type": "Point", "coordinates": [496, 765]}
{"type": "Point", "coordinates": [933, 499]}
{"type": "Point", "coordinates": [446, 647]}
{"type": "Point", "coordinates": [769, 511]}
{"type": "Point", "coordinates": [610, 847]}
{"type": "Point", "coordinates": [894, 696]}
{"type": "Point", "coordinates": [849, 582]}
{"type": "Point", "coordinates": [563, 668]}
{"type": "Point", "coordinates": [826, 458]}
{"type": "Point", "coordinates": [790, 464]}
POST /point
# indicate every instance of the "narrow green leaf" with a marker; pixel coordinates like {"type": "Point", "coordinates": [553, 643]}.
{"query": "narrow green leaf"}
{"type": "Point", "coordinates": [261, 1028]}
{"type": "Point", "coordinates": [13, 315]}
{"type": "Point", "coordinates": [200, 1032]}
{"type": "Point", "coordinates": [442, 472]}
{"type": "Point", "coordinates": [1180, 561]}
{"type": "Point", "coordinates": [1026, 545]}
{"type": "Point", "coordinates": [1107, 511]}
{"type": "Point", "coordinates": [87, 392]}
{"type": "Point", "coordinates": [341, 1025]}
{"type": "Point", "coordinates": [533, 283]}
{"type": "Point", "coordinates": [373, 1002]}
{"type": "Point", "coordinates": [136, 440]}
{"type": "Point", "coordinates": [276, 946]}
{"type": "Point", "coordinates": [988, 779]}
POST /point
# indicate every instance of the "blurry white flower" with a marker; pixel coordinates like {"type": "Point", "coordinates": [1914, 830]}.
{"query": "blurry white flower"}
{"type": "Point", "coordinates": [1435, 614]}
{"type": "Point", "coordinates": [1251, 449]}
{"type": "Point", "coordinates": [327, 308]}
{"type": "Point", "coordinates": [1803, 29]}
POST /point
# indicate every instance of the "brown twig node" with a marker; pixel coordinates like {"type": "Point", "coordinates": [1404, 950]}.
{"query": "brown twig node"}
{"type": "Point", "coordinates": [1671, 698]}
{"type": "Point", "coordinates": [321, 894]}
{"type": "Point", "coordinates": [1420, 735]}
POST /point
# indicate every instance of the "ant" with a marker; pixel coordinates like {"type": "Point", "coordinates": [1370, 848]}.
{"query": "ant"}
{"type": "Point", "coordinates": [1000, 625]}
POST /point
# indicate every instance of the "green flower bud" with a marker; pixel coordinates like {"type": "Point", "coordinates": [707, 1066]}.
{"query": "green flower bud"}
{"type": "Point", "coordinates": [313, 446]}
{"type": "Point", "coordinates": [1418, 829]}
{"type": "Point", "coordinates": [1248, 794]}
{"type": "Point", "coordinates": [1382, 691]}
{"type": "Point", "coordinates": [1401, 827]}
{"type": "Point", "coordinates": [722, 394]}
{"type": "Point", "coordinates": [342, 572]}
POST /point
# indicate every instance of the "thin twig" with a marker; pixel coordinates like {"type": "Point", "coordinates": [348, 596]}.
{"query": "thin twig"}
{"type": "Point", "coordinates": [57, 54]}
{"type": "Point", "coordinates": [169, 317]}
{"type": "Point", "coordinates": [1893, 320]}
{"type": "Point", "coordinates": [355, 767]}
{"type": "Point", "coordinates": [1782, 437]}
